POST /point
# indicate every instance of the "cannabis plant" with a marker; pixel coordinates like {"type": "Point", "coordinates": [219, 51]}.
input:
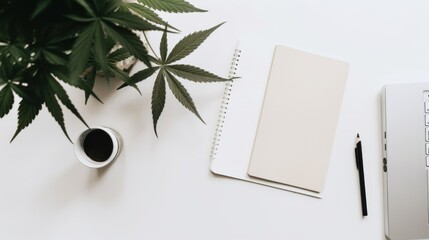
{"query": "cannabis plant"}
{"type": "Point", "coordinates": [45, 44]}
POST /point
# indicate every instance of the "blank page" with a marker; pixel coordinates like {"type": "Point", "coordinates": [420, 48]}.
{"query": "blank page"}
{"type": "Point", "coordinates": [232, 149]}
{"type": "Point", "coordinates": [299, 117]}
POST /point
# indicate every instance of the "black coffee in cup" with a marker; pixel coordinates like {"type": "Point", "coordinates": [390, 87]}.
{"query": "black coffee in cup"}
{"type": "Point", "coordinates": [98, 145]}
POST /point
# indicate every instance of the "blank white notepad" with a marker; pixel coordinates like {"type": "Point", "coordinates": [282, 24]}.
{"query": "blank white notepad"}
{"type": "Point", "coordinates": [299, 117]}
{"type": "Point", "coordinates": [240, 114]}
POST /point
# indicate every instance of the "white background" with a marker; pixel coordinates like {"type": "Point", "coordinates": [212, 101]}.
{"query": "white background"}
{"type": "Point", "coordinates": [162, 188]}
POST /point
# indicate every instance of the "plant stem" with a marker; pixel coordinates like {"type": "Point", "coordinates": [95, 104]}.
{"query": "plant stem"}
{"type": "Point", "coordinates": [150, 46]}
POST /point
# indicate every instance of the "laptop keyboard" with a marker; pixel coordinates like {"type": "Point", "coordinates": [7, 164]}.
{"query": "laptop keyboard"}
{"type": "Point", "coordinates": [426, 114]}
{"type": "Point", "coordinates": [426, 103]}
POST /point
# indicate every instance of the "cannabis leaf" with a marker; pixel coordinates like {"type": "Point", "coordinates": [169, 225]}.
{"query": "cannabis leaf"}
{"type": "Point", "coordinates": [193, 73]}
{"type": "Point", "coordinates": [55, 109]}
{"type": "Point", "coordinates": [41, 5]}
{"type": "Point", "coordinates": [163, 47]}
{"type": "Point", "coordinates": [49, 43]}
{"type": "Point", "coordinates": [64, 98]}
{"type": "Point", "coordinates": [180, 92]}
{"type": "Point", "coordinates": [189, 43]}
{"type": "Point", "coordinates": [147, 13]}
{"type": "Point", "coordinates": [176, 6]}
{"type": "Point", "coordinates": [103, 20]}
{"type": "Point", "coordinates": [168, 72]}
{"type": "Point", "coordinates": [158, 98]}
{"type": "Point", "coordinates": [27, 112]}
{"type": "Point", "coordinates": [82, 50]}
{"type": "Point", "coordinates": [6, 100]}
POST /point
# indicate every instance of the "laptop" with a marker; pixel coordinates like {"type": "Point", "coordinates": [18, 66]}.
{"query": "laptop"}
{"type": "Point", "coordinates": [405, 120]}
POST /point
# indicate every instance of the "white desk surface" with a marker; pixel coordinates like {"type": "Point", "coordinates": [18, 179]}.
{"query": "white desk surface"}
{"type": "Point", "coordinates": [162, 188]}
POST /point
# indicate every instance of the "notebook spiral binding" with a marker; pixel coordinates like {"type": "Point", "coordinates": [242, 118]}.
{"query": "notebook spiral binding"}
{"type": "Point", "coordinates": [225, 102]}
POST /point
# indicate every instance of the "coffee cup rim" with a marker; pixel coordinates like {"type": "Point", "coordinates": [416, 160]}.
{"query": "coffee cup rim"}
{"type": "Point", "coordinates": [83, 157]}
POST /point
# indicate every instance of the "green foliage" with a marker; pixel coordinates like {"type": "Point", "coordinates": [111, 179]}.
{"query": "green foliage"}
{"type": "Point", "coordinates": [167, 73]}
{"type": "Point", "coordinates": [49, 43]}
{"type": "Point", "coordinates": [176, 6]}
{"type": "Point", "coordinates": [6, 100]}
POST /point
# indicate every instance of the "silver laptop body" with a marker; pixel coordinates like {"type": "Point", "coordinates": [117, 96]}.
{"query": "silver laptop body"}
{"type": "Point", "coordinates": [406, 160]}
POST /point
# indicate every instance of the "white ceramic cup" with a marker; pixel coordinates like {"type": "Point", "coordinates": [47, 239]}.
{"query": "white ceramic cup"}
{"type": "Point", "coordinates": [84, 154]}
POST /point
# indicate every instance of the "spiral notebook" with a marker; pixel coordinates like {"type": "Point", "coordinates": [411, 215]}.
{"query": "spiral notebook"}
{"type": "Point", "coordinates": [269, 126]}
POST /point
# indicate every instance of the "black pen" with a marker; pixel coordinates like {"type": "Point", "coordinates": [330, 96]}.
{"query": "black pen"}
{"type": "Point", "coordinates": [359, 164]}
